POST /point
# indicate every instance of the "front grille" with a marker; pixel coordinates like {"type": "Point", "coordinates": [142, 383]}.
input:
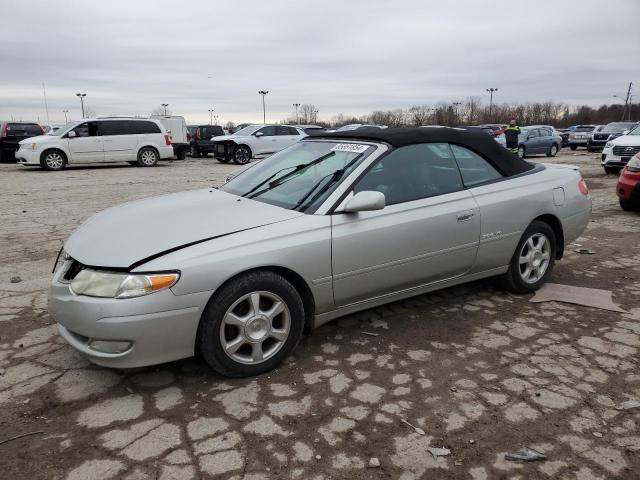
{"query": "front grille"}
{"type": "Point", "coordinates": [600, 136]}
{"type": "Point", "coordinates": [625, 151]}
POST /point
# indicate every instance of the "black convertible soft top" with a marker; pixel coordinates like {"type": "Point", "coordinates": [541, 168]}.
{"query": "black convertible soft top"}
{"type": "Point", "coordinates": [480, 142]}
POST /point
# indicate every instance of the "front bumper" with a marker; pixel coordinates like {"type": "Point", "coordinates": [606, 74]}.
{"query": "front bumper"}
{"type": "Point", "coordinates": [580, 142]}
{"type": "Point", "coordinates": [161, 327]}
{"type": "Point", "coordinates": [223, 150]}
{"type": "Point", "coordinates": [608, 159]}
{"type": "Point", "coordinates": [28, 157]}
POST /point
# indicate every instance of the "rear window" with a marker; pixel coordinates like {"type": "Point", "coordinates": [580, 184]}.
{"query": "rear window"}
{"type": "Point", "coordinates": [146, 127]}
{"type": "Point", "coordinates": [210, 131]}
{"type": "Point", "coordinates": [24, 128]}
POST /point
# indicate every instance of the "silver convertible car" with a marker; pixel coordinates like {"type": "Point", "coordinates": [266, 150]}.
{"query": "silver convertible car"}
{"type": "Point", "coordinates": [336, 223]}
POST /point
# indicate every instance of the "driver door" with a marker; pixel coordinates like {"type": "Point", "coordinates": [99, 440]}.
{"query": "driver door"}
{"type": "Point", "coordinates": [266, 143]}
{"type": "Point", "coordinates": [87, 145]}
{"type": "Point", "coordinates": [428, 232]}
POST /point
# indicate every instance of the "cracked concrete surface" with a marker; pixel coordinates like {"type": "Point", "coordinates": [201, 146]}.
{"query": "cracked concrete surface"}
{"type": "Point", "coordinates": [482, 372]}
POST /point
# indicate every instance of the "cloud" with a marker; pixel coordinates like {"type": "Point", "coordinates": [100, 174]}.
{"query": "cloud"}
{"type": "Point", "coordinates": [346, 56]}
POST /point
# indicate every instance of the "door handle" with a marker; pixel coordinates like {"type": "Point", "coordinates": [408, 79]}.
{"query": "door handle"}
{"type": "Point", "coordinates": [464, 216]}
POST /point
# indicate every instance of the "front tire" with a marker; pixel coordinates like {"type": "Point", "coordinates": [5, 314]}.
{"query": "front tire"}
{"type": "Point", "coordinates": [627, 206]}
{"type": "Point", "coordinates": [553, 150]}
{"type": "Point", "coordinates": [53, 160]}
{"type": "Point", "coordinates": [194, 152]}
{"type": "Point", "coordinates": [533, 260]}
{"type": "Point", "coordinates": [612, 170]}
{"type": "Point", "coordinates": [522, 153]}
{"type": "Point", "coordinates": [242, 155]}
{"type": "Point", "coordinates": [250, 325]}
{"type": "Point", "coordinates": [147, 157]}
{"type": "Point", "coordinates": [573, 147]}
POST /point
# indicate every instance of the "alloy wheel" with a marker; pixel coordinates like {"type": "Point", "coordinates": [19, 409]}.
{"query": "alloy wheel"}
{"type": "Point", "coordinates": [255, 327]}
{"type": "Point", "coordinates": [242, 155]}
{"type": "Point", "coordinates": [535, 255]}
{"type": "Point", "coordinates": [148, 158]}
{"type": "Point", "coordinates": [54, 161]}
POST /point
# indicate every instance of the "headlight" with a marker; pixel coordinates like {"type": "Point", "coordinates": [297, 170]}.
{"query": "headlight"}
{"type": "Point", "coordinates": [609, 145]}
{"type": "Point", "coordinates": [634, 164]}
{"type": "Point", "coordinates": [93, 283]}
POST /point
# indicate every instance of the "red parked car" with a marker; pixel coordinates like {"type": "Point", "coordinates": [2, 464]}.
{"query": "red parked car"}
{"type": "Point", "coordinates": [628, 187]}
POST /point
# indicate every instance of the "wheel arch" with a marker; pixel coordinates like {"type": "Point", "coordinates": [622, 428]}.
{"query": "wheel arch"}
{"type": "Point", "coordinates": [148, 145]}
{"type": "Point", "coordinates": [298, 282]}
{"type": "Point", "coordinates": [556, 225]}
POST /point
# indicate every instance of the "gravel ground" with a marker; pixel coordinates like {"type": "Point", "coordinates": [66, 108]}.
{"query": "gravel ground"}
{"type": "Point", "coordinates": [481, 372]}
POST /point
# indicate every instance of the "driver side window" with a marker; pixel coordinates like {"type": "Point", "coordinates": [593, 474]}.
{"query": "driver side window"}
{"type": "Point", "coordinates": [267, 131]}
{"type": "Point", "coordinates": [413, 172]}
{"type": "Point", "coordinates": [87, 129]}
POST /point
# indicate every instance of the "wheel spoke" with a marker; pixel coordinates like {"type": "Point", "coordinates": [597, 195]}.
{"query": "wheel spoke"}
{"type": "Point", "coordinates": [232, 319]}
{"type": "Point", "coordinates": [234, 345]}
{"type": "Point", "coordinates": [525, 258]}
{"type": "Point", "coordinates": [280, 335]}
{"type": "Point", "coordinates": [256, 352]}
{"type": "Point", "coordinates": [255, 303]}
{"type": "Point", "coordinates": [276, 309]}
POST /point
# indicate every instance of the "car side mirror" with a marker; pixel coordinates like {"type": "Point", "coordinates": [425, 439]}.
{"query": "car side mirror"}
{"type": "Point", "coordinates": [259, 134]}
{"type": "Point", "coordinates": [71, 134]}
{"type": "Point", "coordinates": [365, 201]}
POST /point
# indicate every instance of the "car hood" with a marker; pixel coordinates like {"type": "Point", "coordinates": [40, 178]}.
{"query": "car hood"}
{"type": "Point", "coordinates": [125, 235]}
{"type": "Point", "coordinates": [223, 138]}
{"type": "Point", "coordinates": [628, 140]}
{"type": "Point", "coordinates": [41, 139]}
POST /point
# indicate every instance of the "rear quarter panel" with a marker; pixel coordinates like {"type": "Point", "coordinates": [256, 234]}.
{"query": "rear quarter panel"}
{"type": "Point", "coordinates": [509, 206]}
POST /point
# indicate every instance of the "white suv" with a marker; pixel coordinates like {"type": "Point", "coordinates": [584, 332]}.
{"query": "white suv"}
{"type": "Point", "coordinates": [255, 141]}
{"type": "Point", "coordinates": [138, 141]}
{"type": "Point", "coordinates": [617, 152]}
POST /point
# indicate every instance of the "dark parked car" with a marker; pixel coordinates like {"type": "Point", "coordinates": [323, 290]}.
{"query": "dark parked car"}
{"type": "Point", "coordinates": [200, 141]}
{"type": "Point", "coordinates": [538, 140]}
{"type": "Point", "coordinates": [11, 133]}
{"type": "Point", "coordinates": [599, 139]}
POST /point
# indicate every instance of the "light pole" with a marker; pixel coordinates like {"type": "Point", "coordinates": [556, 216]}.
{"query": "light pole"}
{"type": "Point", "coordinates": [210, 116]}
{"type": "Point", "coordinates": [216, 119]}
{"type": "Point", "coordinates": [297, 118]}
{"type": "Point", "coordinates": [264, 111]}
{"type": "Point", "coordinates": [165, 105]}
{"type": "Point", "coordinates": [81, 95]}
{"type": "Point", "coordinates": [315, 116]}
{"type": "Point", "coordinates": [455, 110]}
{"type": "Point", "coordinates": [65, 116]}
{"type": "Point", "coordinates": [491, 90]}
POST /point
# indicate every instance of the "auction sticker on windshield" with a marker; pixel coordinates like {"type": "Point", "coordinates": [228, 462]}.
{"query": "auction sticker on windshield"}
{"type": "Point", "coordinates": [349, 147]}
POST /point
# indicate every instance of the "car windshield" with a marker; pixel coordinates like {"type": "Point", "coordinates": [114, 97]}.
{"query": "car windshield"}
{"type": "Point", "coordinates": [246, 131]}
{"type": "Point", "coordinates": [69, 126]}
{"type": "Point", "coordinates": [300, 177]}
{"type": "Point", "coordinates": [617, 127]}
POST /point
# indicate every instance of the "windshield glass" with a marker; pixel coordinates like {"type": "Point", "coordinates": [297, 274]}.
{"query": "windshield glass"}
{"type": "Point", "coordinates": [61, 131]}
{"type": "Point", "coordinates": [248, 130]}
{"type": "Point", "coordinates": [617, 127]}
{"type": "Point", "coordinates": [300, 177]}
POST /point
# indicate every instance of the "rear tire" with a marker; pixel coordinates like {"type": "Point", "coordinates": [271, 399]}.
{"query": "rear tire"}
{"type": "Point", "coordinates": [147, 157]}
{"type": "Point", "coordinates": [53, 160]}
{"type": "Point", "coordinates": [590, 148]}
{"type": "Point", "coordinates": [532, 261]}
{"type": "Point", "coordinates": [627, 205]}
{"type": "Point", "coordinates": [237, 332]}
{"type": "Point", "coordinates": [194, 152]}
{"type": "Point", "coordinates": [182, 155]}
{"type": "Point", "coordinates": [553, 150]}
{"type": "Point", "coordinates": [573, 147]}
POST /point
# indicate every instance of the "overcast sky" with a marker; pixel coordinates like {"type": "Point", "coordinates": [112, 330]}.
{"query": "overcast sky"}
{"type": "Point", "coordinates": [343, 56]}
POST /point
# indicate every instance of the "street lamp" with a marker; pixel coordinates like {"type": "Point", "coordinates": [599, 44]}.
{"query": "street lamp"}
{"type": "Point", "coordinates": [165, 105]}
{"type": "Point", "coordinates": [455, 109]}
{"type": "Point", "coordinates": [264, 111]}
{"type": "Point", "coordinates": [81, 95]}
{"type": "Point", "coordinates": [491, 90]}
{"type": "Point", "coordinates": [315, 116]}
{"type": "Point", "coordinates": [216, 119]}
{"type": "Point", "coordinates": [210, 116]}
{"type": "Point", "coordinates": [297, 118]}
{"type": "Point", "coordinates": [65, 116]}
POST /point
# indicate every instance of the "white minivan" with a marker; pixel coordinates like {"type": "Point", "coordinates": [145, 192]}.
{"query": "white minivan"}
{"type": "Point", "coordinates": [138, 141]}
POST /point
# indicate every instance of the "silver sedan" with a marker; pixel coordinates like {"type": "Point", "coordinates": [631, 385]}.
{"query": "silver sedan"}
{"type": "Point", "coordinates": [332, 225]}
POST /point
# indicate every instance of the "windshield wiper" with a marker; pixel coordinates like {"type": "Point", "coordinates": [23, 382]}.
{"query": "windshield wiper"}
{"type": "Point", "coordinates": [284, 178]}
{"type": "Point", "coordinates": [335, 176]}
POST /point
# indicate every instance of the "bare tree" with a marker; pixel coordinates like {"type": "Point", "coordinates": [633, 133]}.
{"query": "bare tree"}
{"type": "Point", "coordinates": [307, 113]}
{"type": "Point", "coordinates": [229, 125]}
{"type": "Point", "coordinates": [418, 115]}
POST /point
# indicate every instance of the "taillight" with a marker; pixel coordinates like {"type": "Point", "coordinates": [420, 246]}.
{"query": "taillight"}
{"type": "Point", "coordinates": [582, 186]}
{"type": "Point", "coordinates": [4, 130]}
{"type": "Point", "coordinates": [167, 139]}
